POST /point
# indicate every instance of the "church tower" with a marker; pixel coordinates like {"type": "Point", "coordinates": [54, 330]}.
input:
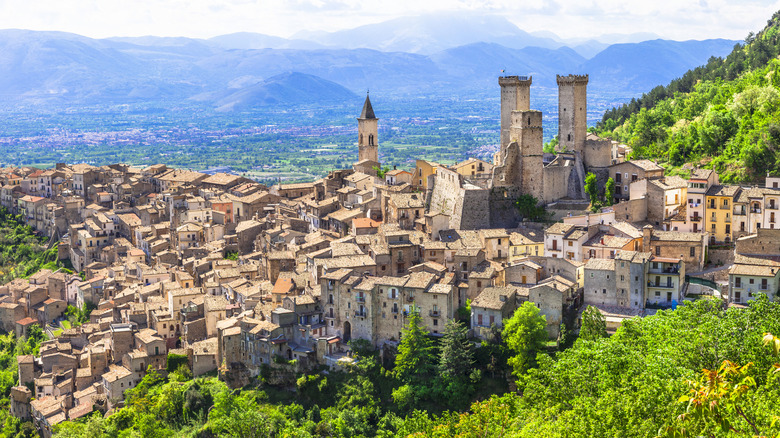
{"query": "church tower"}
{"type": "Point", "coordinates": [572, 112]}
{"type": "Point", "coordinates": [368, 139]}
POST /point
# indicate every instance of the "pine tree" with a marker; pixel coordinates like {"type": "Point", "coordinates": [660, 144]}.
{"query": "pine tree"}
{"type": "Point", "coordinates": [415, 360]}
{"type": "Point", "coordinates": [457, 353]}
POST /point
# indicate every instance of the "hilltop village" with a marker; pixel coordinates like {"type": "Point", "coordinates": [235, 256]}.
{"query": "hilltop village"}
{"type": "Point", "coordinates": [238, 278]}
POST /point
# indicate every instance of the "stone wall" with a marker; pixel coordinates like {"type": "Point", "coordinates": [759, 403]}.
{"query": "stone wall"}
{"type": "Point", "coordinates": [473, 209]}
{"type": "Point", "coordinates": [721, 256]}
{"type": "Point", "coordinates": [598, 153]}
{"type": "Point", "coordinates": [557, 179]}
{"type": "Point", "coordinates": [503, 211]}
{"type": "Point", "coordinates": [446, 194]}
{"type": "Point", "coordinates": [766, 241]}
{"type": "Point", "coordinates": [634, 210]}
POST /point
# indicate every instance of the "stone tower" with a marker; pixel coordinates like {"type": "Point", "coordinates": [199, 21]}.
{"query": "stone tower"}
{"type": "Point", "coordinates": [527, 132]}
{"type": "Point", "coordinates": [572, 112]}
{"type": "Point", "coordinates": [368, 139]}
{"type": "Point", "coordinates": [515, 96]}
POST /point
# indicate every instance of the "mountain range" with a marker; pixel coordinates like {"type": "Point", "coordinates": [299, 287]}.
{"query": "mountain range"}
{"type": "Point", "coordinates": [450, 54]}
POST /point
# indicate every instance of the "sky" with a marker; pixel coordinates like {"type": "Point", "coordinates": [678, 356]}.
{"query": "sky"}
{"type": "Point", "coordinates": [672, 19]}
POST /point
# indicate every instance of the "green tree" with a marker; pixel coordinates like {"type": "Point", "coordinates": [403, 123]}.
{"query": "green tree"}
{"type": "Point", "coordinates": [609, 191]}
{"type": "Point", "coordinates": [592, 191]}
{"type": "Point", "coordinates": [415, 360]}
{"type": "Point", "coordinates": [529, 208]}
{"type": "Point", "coordinates": [525, 335]}
{"type": "Point", "coordinates": [594, 325]}
{"type": "Point", "coordinates": [456, 359]}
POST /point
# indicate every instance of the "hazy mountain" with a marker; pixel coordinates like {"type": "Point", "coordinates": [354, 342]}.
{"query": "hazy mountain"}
{"type": "Point", "coordinates": [642, 66]}
{"type": "Point", "coordinates": [249, 40]}
{"type": "Point", "coordinates": [289, 89]}
{"type": "Point", "coordinates": [485, 61]}
{"type": "Point", "coordinates": [71, 69]}
{"type": "Point", "coordinates": [432, 33]}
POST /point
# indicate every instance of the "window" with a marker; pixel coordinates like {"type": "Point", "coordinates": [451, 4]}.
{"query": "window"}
{"type": "Point", "coordinates": [657, 252]}
{"type": "Point", "coordinates": [603, 291]}
{"type": "Point", "coordinates": [737, 281]}
{"type": "Point", "coordinates": [571, 243]}
{"type": "Point", "coordinates": [435, 322]}
{"type": "Point", "coordinates": [763, 283]}
{"type": "Point", "coordinates": [693, 250]}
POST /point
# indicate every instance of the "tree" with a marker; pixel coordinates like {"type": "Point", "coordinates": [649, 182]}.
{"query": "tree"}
{"type": "Point", "coordinates": [414, 363]}
{"type": "Point", "coordinates": [609, 191]}
{"type": "Point", "coordinates": [594, 325]}
{"type": "Point", "coordinates": [525, 335]}
{"type": "Point", "coordinates": [456, 358]}
{"type": "Point", "coordinates": [529, 208]}
{"type": "Point", "coordinates": [592, 191]}
{"type": "Point", "coordinates": [456, 355]}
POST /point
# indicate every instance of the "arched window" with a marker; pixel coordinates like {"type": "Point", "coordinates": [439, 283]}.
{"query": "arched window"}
{"type": "Point", "coordinates": [569, 137]}
{"type": "Point", "coordinates": [371, 139]}
{"type": "Point", "coordinates": [361, 139]}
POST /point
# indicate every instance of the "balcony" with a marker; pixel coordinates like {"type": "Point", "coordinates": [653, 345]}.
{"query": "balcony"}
{"type": "Point", "coordinates": [695, 218]}
{"type": "Point", "coordinates": [359, 313]}
{"type": "Point", "coordinates": [410, 298]}
{"type": "Point", "coordinates": [395, 310]}
{"type": "Point", "coordinates": [739, 212]}
{"type": "Point", "coordinates": [435, 313]}
{"type": "Point", "coordinates": [660, 285]}
{"type": "Point", "coordinates": [665, 270]}
{"type": "Point", "coordinates": [755, 210]}
{"type": "Point", "coordinates": [725, 207]}
{"type": "Point", "coordinates": [360, 299]}
{"type": "Point", "coordinates": [771, 207]}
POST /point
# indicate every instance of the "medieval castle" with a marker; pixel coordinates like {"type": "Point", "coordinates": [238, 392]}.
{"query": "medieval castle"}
{"type": "Point", "coordinates": [486, 200]}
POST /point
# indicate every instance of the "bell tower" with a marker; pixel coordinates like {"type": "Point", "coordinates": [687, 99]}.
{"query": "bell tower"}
{"type": "Point", "coordinates": [368, 139]}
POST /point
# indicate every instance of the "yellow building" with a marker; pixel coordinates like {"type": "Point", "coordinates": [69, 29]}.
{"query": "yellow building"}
{"type": "Point", "coordinates": [422, 171]}
{"type": "Point", "coordinates": [718, 216]}
{"type": "Point", "coordinates": [473, 167]}
{"type": "Point", "coordinates": [524, 243]}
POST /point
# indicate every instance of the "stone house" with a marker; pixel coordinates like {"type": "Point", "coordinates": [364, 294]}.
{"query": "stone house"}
{"type": "Point", "coordinates": [524, 242]}
{"type": "Point", "coordinates": [115, 381]}
{"type": "Point", "coordinates": [491, 307]}
{"type": "Point", "coordinates": [565, 241]}
{"type": "Point", "coordinates": [628, 172]}
{"type": "Point", "coordinates": [690, 247]}
{"type": "Point", "coordinates": [750, 276]}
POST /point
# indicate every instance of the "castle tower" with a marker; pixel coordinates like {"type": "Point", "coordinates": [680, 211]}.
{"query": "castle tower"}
{"type": "Point", "coordinates": [527, 132]}
{"type": "Point", "coordinates": [368, 138]}
{"type": "Point", "coordinates": [515, 96]}
{"type": "Point", "coordinates": [572, 112]}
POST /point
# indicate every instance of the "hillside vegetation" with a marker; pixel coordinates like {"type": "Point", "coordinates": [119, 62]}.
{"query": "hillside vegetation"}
{"type": "Point", "coordinates": [724, 115]}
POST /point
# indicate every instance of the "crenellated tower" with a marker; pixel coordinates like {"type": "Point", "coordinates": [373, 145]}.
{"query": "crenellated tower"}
{"type": "Point", "coordinates": [572, 112]}
{"type": "Point", "coordinates": [515, 96]}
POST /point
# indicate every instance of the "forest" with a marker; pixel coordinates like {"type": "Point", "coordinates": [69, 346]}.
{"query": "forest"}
{"type": "Point", "coordinates": [724, 115]}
